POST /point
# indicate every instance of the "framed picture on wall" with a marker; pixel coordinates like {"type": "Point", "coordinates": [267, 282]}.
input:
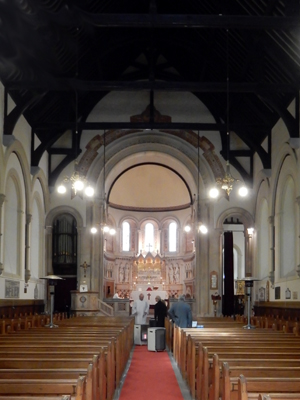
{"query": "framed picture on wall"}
{"type": "Point", "coordinates": [261, 294]}
{"type": "Point", "coordinates": [277, 293]}
{"type": "Point", "coordinates": [213, 280]}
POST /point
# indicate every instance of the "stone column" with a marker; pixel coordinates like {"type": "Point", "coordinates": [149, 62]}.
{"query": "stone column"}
{"type": "Point", "coordinates": [139, 241]}
{"type": "Point", "coordinates": [272, 249]}
{"type": "Point", "coordinates": [159, 241]}
{"type": "Point", "coordinates": [49, 233]}
{"type": "Point", "coordinates": [99, 251]}
{"type": "Point", "coordinates": [298, 234]}
{"type": "Point", "coordinates": [202, 262]}
{"type": "Point", "coordinates": [2, 198]}
{"type": "Point", "coordinates": [248, 253]}
{"type": "Point", "coordinates": [96, 249]}
{"type": "Point", "coordinates": [27, 247]}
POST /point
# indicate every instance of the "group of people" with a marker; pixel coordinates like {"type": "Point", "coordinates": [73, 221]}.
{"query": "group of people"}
{"type": "Point", "coordinates": [180, 312]}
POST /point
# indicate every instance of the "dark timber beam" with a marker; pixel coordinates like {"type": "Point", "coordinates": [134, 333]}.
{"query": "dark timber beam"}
{"type": "Point", "coordinates": [144, 125]}
{"type": "Point", "coordinates": [180, 21]}
{"type": "Point", "coordinates": [201, 87]}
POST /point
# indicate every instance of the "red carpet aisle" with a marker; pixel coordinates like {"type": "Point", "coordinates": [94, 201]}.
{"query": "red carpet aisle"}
{"type": "Point", "coordinates": [150, 377]}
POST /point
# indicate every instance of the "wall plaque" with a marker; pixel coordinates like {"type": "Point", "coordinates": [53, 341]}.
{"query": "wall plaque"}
{"type": "Point", "coordinates": [12, 289]}
{"type": "Point", "coordinates": [214, 280]}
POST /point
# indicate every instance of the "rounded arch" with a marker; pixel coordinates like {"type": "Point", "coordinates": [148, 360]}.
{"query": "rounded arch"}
{"type": "Point", "coordinates": [169, 218]}
{"type": "Point", "coordinates": [17, 149]}
{"type": "Point", "coordinates": [41, 178]}
{"type": "Point", "coordinates": [167, 167]}
{"type": "Point", "coordinates": [13, 224]}
{"type": "Point", "coordinates": [156, 147]}
{"type": "Point", "coordinates": [284, 162]}
{"type": "Point", "coordinates": [128, 217]}
{"type": "Point", "coordinates": [64, 210]}
{"type": "Point", "coordinates": [243, 215]}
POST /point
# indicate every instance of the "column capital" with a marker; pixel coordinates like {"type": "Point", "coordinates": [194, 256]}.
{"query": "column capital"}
{"type": "Point", "coordinates": [2, 198]}
{"type": "Point", "coordinates": [28, 218]}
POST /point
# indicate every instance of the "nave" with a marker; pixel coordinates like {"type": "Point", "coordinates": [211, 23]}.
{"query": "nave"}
{"type": "Point", "coordinates": [94, 358]}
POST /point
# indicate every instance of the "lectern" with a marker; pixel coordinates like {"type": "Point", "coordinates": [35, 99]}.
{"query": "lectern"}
{"type": "Point", "coordinates": [248, 285]}
{"type": "Point", "coordinates": [52, 280]}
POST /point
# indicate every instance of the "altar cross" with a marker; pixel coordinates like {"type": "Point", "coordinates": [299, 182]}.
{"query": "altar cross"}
{"type": "Point", "coordinates": [85, 266]}
{"type": "Point", "coordinates": [149, 245]}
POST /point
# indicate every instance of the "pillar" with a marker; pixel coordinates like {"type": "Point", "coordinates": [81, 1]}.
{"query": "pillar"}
{"type": "Point", "coordinates": [272, 249]}
{"type": "Point", "coordinates": [49, 270]}
{"type": "Point", "coordinates": [2, 198]}
{"type": "Point", "coordinates": [27, 247]}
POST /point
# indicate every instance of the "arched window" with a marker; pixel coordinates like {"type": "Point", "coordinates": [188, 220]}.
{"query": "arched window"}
{"type": "Point", "coordinates": [125, 236]}
{"type": "Point", "coordinates": [172, 236]}
{"type": "Point", "coordinates": [149, 236]}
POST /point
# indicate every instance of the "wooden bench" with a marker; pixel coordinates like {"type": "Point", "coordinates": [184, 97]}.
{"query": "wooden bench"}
{"type": "Point", "coordinates": [45, 347]}
{"type": "Point", "coordinates": [238, 342]}
{"type": "Point", "coordinates": [251, 388]}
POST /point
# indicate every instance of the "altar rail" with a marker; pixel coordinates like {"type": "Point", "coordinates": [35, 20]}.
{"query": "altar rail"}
{"type": "Point", "coordinates": [121, 307]}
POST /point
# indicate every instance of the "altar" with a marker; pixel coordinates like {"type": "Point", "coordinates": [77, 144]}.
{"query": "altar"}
{"type": "Point", "coordinates": [149, 295]}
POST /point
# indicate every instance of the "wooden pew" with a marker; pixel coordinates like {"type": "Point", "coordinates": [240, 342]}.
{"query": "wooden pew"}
{"type": "Point", "coordinates": [267, 346]}
{"type": "Point", "coordinates": [250, 388]}
{"type": "Point", "coordinates": [261, 368]}
{"type": "Point", "coordinates": [87, 335]}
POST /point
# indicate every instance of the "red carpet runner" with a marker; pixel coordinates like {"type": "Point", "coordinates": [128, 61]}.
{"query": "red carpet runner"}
{"type": "Point", "coordinates": [150, 377]}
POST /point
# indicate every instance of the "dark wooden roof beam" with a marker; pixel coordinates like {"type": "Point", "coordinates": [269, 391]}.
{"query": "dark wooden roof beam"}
{"type": "Point", "coordinates": [207, 87]}
{"type": "Point", "coordinates": [145, 125]}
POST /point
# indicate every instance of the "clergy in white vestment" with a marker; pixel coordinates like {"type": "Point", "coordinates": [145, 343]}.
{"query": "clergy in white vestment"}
{"type": "Point", "coordinates": [140, 309]}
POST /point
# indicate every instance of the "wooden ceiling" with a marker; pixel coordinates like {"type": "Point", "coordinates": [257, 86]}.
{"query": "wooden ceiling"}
{"type": "Point", "coordinates": [241, 58]}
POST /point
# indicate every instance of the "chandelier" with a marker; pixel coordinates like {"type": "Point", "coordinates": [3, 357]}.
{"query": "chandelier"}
{"type": "Point", "coordinates": [227, 181]}
{"type": "Point", "coordinates": [78, 184]}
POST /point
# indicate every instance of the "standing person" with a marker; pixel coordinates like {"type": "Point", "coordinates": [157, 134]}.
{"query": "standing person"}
{"type": "Point", "coordinates": [140, 309]}
{"type": "Point", "coordinates": [181, 313]}
{"type": "Point", "coordinates": [160, 312]}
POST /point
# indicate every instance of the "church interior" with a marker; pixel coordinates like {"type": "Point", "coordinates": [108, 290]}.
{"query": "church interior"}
{"type": "Point", "coordinates": [149, 199]}
{"type": "Point", "coordinates": [181, 121]}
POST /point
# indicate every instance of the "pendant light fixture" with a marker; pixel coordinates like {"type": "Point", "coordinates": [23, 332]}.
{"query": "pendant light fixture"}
{"type": "Point", "coordinates": [104, 225]}
{"type": "Point", "coordinates": [227, 182]}
{"type": "Point", "coordinates": [77, 182]}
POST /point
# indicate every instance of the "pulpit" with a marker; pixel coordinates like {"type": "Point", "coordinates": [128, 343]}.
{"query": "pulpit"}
{"type": "Point", "coordinates": [84, 303]}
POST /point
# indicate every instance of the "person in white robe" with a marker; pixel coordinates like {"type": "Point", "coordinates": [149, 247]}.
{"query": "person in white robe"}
{"type": "Point", "coordinates": [140, 309]}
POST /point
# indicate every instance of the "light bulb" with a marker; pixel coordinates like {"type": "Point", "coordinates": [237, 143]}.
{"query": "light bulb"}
{"type": "Point", "coordinates": [106, 228]}
{"type": "Point", "coordinates": [187, 228]}
{"type": "Point", "coordinates": [61, 189]}
{"type": "Point", "coordinates": [89, 191]}
{"type": "Point", "coordinates": [243, 191]}
{"type": "Point", "coordinates": [203, 229]}
{"type": "Point", "coordinates": [78, 185]}
{"type": "Point", "coordinates": [93, 230]}
{"type": "Point", "coordinates": [214, 193]}
{"type": "Point", "coordinates": [112, 231]}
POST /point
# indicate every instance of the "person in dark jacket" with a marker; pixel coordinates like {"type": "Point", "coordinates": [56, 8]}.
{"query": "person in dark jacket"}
{"type": "Point", "coordinates": [181, 313]}
{"type": "Point", "coordinates": [160, 312]}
